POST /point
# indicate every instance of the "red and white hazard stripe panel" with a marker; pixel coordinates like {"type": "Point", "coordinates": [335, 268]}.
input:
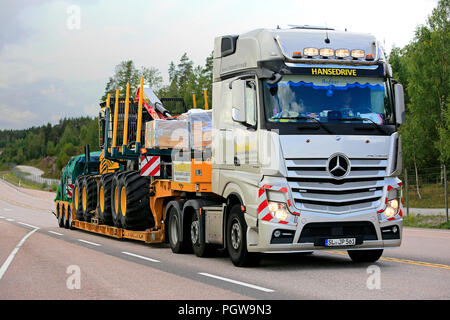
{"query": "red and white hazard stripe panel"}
{"type": "Point", "coordinates": [69, 190]}
{"type": "Point", "coordinates": [149, 166]}
{"type": "Point", "coordinates": [263, 205]}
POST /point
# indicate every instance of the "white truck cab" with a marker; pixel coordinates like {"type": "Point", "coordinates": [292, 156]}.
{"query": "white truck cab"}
{"type": "Point", "coordinates": [305, 143]}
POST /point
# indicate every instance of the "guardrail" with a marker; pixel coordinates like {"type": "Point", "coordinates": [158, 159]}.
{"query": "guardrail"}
{"type": "Point", "coordinates": [34, 178]}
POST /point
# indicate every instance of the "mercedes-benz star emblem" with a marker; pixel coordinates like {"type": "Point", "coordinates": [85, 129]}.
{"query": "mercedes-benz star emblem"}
{"type": "Point", "coordinates": [338, 166]}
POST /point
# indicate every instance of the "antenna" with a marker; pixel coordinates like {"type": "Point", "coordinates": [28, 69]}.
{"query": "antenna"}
{"type": "Point", "coordinates": [327, 40]}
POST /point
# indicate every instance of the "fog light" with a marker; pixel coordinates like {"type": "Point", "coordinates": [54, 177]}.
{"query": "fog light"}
{"type": "Point", "coordinates": [394, 229]}
{"type": "Point", "coordinates": [277, 233]}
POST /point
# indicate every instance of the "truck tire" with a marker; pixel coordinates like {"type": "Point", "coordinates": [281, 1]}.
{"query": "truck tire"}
{"type": "Point", "coordinates": [236, 238]}
{"type": "Point", "coordinates": [365, 255]}
{"type": "Point", "coordinates": [115, 199]}
{"type": "Point", "coordinates": [177, 244]}
{"type": "Point", "coordinates": [134, 201]}
{"type": "Point", "coordinates": [60, 214]}
{"type": "Point", "coordinates": [68, 222]}
{"type": "Point", "coordinates": [89, 197]}
{"type": "Point", "coordinates": [77, 203]}
{"type": "Point", "coordinates": [200, 249]}
{"type": "Point", "coordinates": [104, 199]}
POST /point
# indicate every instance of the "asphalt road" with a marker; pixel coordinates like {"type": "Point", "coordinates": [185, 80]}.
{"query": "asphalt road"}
{"type": "Point", "coordinates": [38, 260]}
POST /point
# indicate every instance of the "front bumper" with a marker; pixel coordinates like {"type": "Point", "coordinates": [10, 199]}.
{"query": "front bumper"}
{"type": "Point", "coordinates": [307, 232]}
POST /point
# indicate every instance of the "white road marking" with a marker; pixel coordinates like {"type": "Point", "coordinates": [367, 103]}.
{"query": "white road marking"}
{"type": "Point", "coordinates": [57, 233]}
{"type": "Point", "coordinates": [237, 282]}
{"type": "Point", "coordinates": [13, 253]}
{"type": "Point", "coordinates": [7, 209]}
{"type": "Point", "coordinates": [10, 220]}
{"type": "Point", "coordinates": [2, 217]}
{"type": "Point", "coordinates": [88, 242]}
{"type": "Point", "coordinates": [28, 225]}
{"type": "Point", "coordinates": [141, 257]}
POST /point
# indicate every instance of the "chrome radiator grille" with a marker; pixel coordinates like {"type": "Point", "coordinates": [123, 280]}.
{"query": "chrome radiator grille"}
{"type": "Point", "coordinates": [313, 188]}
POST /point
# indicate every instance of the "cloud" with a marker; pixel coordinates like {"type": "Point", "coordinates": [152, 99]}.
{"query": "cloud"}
{"type": "Point", "coordinates": [13, 118]}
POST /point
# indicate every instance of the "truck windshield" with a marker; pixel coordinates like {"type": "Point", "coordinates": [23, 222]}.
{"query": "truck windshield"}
{"type": "Point", "coordinates": [328, 99]}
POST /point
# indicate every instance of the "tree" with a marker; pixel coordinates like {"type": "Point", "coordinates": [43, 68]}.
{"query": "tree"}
{"type": "Point", "coordinates": [152, 78]}
{"type": "Point", "coordinates": [185, 80]}
{"type": "Point", "coordinates": [125, 72]}
{"type": "Point", "coordinates": [429, 83]}
{"type": "Point", "coordinates": [422, 67]}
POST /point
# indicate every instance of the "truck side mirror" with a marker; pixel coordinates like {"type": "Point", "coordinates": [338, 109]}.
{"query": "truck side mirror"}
{"type": "Point", "coordinates": [399, 103]}
{"type": "Point", "coordinates": [238, 99]}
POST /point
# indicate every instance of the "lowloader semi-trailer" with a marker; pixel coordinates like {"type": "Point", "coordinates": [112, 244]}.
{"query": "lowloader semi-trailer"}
{"type": "Point", "coordinates": [300, 152]}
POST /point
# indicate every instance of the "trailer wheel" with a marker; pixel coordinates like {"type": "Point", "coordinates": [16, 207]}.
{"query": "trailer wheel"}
{"type": "Point", "coordinates": [237, 240]}
{"type": "Point", "coordinates": [115, 199]}
{"type": "Point", "coordinates": [134, 201]}
{"type": "Point", "coordinates": [77, 198]}
{"type": "Point", "coordinates": [60, 214]}
{"type": "Point", "coordinates": [68, 222]}
{"type": "Point", "coordinates": [104, 199]}
{"type": "Point", "coordinates": [365, 255]}
{"type": "Point", "coordinates": [200, 249]}
{"type": "Point", "coordinates": [89, 197]}
{"type": "Point", "coordinates": [176, 244]}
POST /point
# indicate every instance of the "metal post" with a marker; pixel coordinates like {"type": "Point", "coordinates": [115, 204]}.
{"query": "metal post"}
{"type": "Point", "coordinates": [194, 102]}
{"type": "Point", "coordinates": [125, 124]}
{"type": "Point", "coordinates": [206, 99]}
{"type": "Point", "coordinates": [116, 115]}
{"type": "Point", "coordinates": [446, 192]}
{"type": "Point", "coordinates": [139, 119]}
{"type": "Point", "coordinates": [406, 193]}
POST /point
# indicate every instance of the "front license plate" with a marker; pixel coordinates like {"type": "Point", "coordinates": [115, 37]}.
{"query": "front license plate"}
{"type": "Point", "coordinates": [340, 242]}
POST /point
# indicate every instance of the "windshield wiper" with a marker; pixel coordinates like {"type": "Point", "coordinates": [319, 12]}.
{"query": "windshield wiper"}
{"type": "Point", "coordinates": [308, 118]}
{"type": "Point", "coordinates": [363, 119]}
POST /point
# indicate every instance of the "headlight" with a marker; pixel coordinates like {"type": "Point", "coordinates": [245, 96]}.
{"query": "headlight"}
{"type": "Point", "coordinates": [391, 208]}
{"type": "Point", "coordinates": [278, 210]}
{"type": "Point", "coordinates": [393, 204]}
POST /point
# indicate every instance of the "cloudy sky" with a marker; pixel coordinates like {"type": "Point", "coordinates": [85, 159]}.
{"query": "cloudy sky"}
{"type": "Point", "coordinates": [56, 56]}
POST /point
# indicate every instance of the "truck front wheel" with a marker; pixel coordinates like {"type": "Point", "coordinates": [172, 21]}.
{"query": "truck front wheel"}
{"type": "Point", "coordinates": [237, 240]}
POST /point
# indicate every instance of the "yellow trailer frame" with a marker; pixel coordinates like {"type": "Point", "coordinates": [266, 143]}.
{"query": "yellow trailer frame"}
{"type": "Point", "coordinates": [147, 236]}
{"type": "Point", "coordinates": [163, 191]}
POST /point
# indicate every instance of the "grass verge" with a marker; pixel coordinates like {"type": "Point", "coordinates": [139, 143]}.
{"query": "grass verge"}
{"type": "Point", "coordinates": [426, 221]}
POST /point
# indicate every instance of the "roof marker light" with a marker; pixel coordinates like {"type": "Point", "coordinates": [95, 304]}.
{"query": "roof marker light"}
{"type": "Point", "coordinates": [297, 54]}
